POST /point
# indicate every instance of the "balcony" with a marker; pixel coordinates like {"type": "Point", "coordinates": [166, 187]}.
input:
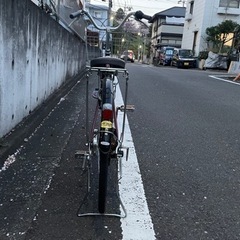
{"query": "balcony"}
{"type": "Point", "coordinates": [228, 11]}
{"type": "Point", "coordinates": [172, 29]}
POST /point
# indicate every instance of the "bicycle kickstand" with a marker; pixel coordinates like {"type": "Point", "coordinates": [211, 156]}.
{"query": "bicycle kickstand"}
{"type": "Point", "coordinates": [84, 155]}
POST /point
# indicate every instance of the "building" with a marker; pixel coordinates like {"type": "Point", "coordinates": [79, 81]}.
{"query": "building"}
{"type": "Point", "coordinates": [60, 10]}
{"type": "Point", "coordinates": [100, 15]}
{"type": "Point", "coordinates": [167, 28]}
{"type": "Point", "coordinates": [201, 14]}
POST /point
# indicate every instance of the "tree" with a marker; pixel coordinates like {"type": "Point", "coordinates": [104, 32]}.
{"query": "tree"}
{"type": "Point", "coordinates": [119, 15]}
{"type": "Point", "coordinates": [128, 32]}
{"type": "Point", "coordinates": [117, 35]}
{"type": "Point", "coordinates": [130, 35]}
{"type": "Point", "coordinates": [220, 34]}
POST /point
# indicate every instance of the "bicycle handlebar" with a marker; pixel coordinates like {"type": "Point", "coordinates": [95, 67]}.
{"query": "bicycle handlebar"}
{"type": "Point", "coordinates": [76, 14]}
{"type": "Point", "coordinates": [139, 15]}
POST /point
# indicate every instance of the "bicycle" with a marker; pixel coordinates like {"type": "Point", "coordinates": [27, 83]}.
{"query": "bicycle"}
{"type": "Point", "coordinates": [104, 139]}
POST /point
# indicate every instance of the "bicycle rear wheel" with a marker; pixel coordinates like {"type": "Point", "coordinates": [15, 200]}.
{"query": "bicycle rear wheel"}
{"type": "Point", "coordinates": [105, 140]}
{"type": "Point", "coordinates": [103, 180]}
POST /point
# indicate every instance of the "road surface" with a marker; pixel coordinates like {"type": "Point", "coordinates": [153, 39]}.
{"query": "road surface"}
{"type": "Point", "coordinates": [184, 137]}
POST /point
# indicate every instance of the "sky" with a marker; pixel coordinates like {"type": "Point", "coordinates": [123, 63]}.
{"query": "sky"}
{"type": "Point", "coordinates": [149, 7]}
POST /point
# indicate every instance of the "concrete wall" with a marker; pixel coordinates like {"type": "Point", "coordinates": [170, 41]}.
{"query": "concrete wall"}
{"type": "Point", "coordinates": [37, 55]}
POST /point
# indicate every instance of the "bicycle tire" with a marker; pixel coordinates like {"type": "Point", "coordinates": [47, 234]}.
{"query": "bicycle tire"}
{"type": "Point", "coordinates": [103, 180]}
{"type": "Point", "coordinates": [105, 141]}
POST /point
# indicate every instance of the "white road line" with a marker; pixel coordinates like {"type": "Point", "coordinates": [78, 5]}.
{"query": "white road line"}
{"type": "Point", "coordinates": [224, 80]}
{"type": "Point", "coordinates": [138, 223]}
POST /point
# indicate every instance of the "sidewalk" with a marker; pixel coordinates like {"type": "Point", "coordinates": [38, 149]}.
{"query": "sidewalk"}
{"type": "Point", "coordinates": [36, 149]}
{"type": "Point", "coordinates": [19, 135]}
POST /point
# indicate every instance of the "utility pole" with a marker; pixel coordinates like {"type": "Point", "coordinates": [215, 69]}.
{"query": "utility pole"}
{"type": "Point", "coordinates": [108, 33]}
{"type": "Point", "coordinates": [183, 2]}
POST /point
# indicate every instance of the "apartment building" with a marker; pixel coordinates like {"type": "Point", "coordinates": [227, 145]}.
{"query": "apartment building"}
{"type": "Point", "coordinates": [99, 14]}
{"type": "Point", "coordinates": [201, 14]}
{"type": "Point", "coordinates": [167, 28]}
{"type": "Point", "coordinates": [60, 10]}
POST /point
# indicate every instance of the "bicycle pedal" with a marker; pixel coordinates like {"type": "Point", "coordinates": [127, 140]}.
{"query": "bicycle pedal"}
{"type": "Point", "coordinates": [121, 152]}
{"type": "Point", "coordinates": [129, 108]}
{"type": "Point", "coordinates": [79, 154]}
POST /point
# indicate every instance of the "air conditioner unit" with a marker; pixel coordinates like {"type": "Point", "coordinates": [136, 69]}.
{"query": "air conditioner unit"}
{"type": "Point", "coordinates": [188, 17]}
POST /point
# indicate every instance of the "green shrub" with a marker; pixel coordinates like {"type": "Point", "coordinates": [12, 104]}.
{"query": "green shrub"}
{"type": "Point", "coordinates": [203, 55]}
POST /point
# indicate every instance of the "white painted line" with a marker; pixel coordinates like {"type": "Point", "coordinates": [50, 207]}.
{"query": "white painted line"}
{"type": "Point", "coordinates": [224, 80]}
{"type": "Point", "coordinates": [138, 223]}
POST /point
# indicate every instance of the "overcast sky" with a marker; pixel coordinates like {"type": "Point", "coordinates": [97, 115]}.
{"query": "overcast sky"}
{"type": "Point", "coordinates": [149, 7]}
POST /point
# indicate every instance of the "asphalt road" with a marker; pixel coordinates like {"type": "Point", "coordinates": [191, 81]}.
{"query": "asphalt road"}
{"type": "Point", "coordinates": [186, 134]}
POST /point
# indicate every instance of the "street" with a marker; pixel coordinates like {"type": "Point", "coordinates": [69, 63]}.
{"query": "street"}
{"type": "Point", "coordinates": [185, 130]}
{"type": "Point", "coordinates": [186, 133]}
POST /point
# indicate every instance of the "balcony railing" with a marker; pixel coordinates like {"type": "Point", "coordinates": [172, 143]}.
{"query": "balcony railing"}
{"type": "Point", "coordinates": [228, 11]}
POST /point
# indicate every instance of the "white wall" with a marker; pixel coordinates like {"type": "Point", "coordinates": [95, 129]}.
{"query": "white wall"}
{"type": "Point", "coordinates": [205, 14]}
{"type": "Point", "coordinates": [195, 24]}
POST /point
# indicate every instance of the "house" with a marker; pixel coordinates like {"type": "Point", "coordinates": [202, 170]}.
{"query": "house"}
{"type": "Point", "coordinates": [167, 28]}
{"type": "Point", "coordinates": [60, 11]}
{"type": "Point", "coordinates": [201, 14]}
{"type": "Point", "coordinates": [99, 14]}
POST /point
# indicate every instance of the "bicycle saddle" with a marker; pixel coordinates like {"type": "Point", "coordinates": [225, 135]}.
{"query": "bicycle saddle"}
{"type": "Point", "coordinates": [107, 62]}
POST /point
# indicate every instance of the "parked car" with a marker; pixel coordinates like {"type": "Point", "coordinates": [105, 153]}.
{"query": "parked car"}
{"type": "Point", "coordinates": [165, 56]}
{"type": "Point", "coordinates": [183, 58]}
{"type": "Point", "coordinates": [128, 55]}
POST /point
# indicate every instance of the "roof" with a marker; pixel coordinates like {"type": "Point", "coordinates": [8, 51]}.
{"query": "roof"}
{"type": "Point", "coordinates": [96, 6]}
{"type": "Point", "coordinates": [171, 12]}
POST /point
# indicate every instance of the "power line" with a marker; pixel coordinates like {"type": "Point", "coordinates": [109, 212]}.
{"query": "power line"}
{"type": "Point", "coordinates": [129, 5]}
{"type": "Point", "coordinates": [157, 5]}
{"type": "Point", "coordinates": [183, 2]}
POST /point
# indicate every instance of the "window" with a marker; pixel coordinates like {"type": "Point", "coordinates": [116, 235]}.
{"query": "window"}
{"type": "Point", "coordinates": [191, 7]}
{"type": "Point", "coordinates": [97, 14]}
{"type": "Point", "coordinates": [185, 53]}
{"type": "Point", "coordinates": [169, 52]}
{"type": "Point", "coordinates": [229, 3]}
{"type": "Point", "coordinates": [195, 41]}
